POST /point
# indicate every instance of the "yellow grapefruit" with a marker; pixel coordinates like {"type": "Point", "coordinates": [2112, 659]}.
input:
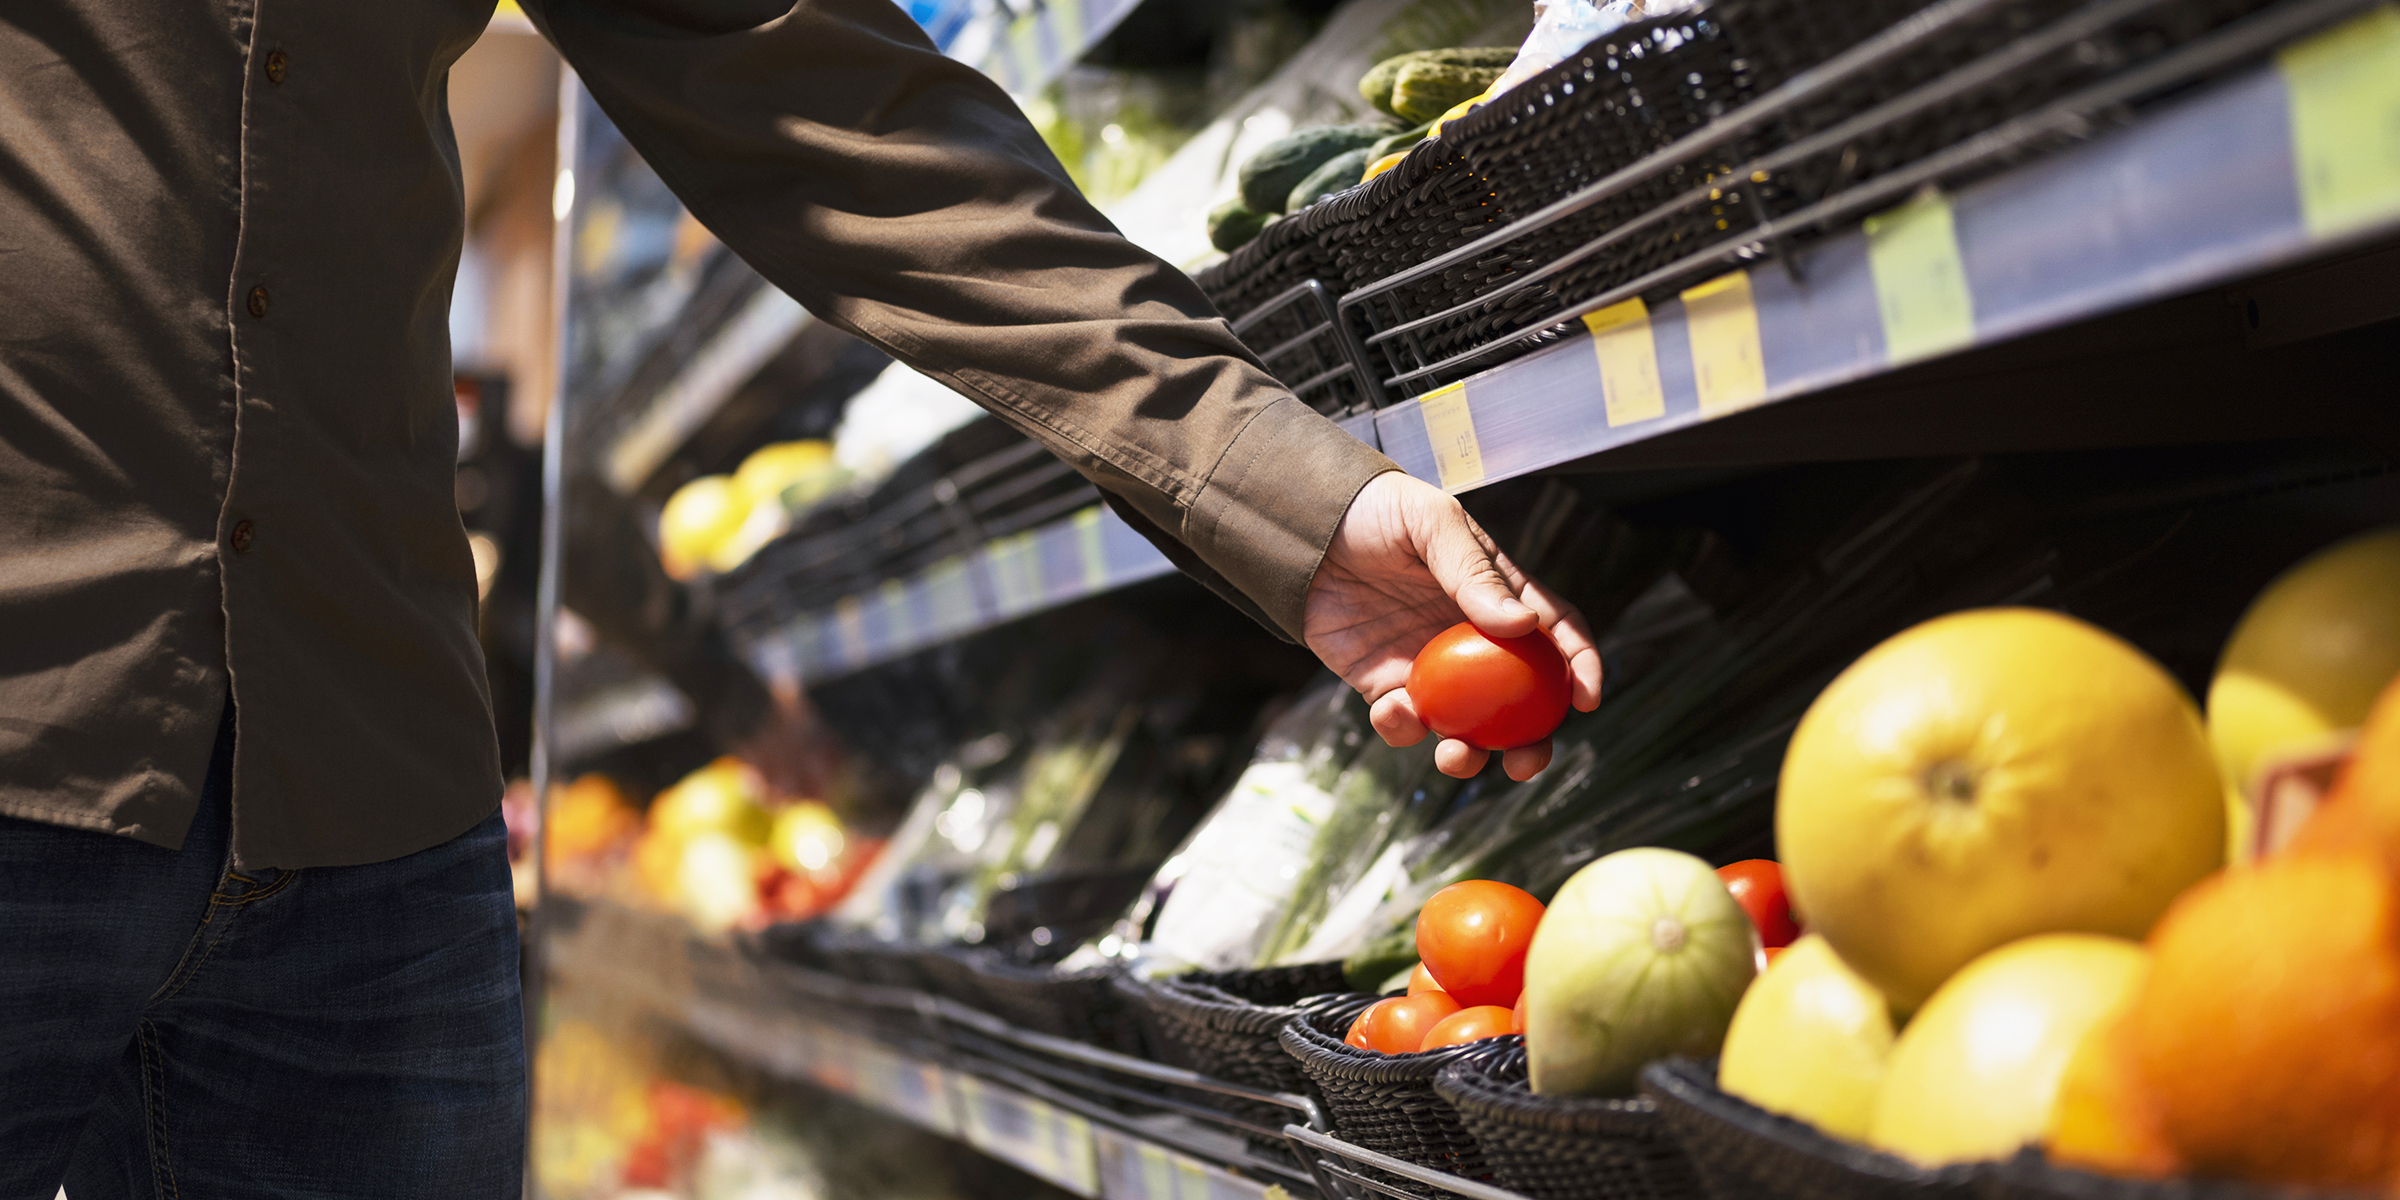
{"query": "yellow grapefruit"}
{"type": "Point", "coordinates": [1987, 776]}
{"type": "Point", "coordinates": [699, 519]}
{"type": "Point", "coordinates": [1976, 1073]}
{"type": "Point", "coordinates": [1809, 1041]}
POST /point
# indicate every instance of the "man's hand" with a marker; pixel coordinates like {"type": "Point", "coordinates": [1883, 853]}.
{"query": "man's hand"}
{"type": "Point", "coordinates": [1406, 564]}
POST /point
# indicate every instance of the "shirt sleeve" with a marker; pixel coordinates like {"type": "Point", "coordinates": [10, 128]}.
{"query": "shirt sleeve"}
{"type": "Point", "coordinates": [901, 195]}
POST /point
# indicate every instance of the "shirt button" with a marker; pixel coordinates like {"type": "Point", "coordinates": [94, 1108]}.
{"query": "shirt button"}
{"type": "Point", "coordinates": [275, 65]}
{"type": "Point", "coordinates": [241, 537]}
{"type": "Point", "coordinates": [258, 301]}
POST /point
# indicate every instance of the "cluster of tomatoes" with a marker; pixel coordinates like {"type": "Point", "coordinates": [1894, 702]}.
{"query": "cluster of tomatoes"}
{"type": "Point", "coordinates": [1470, 978]}
{"type": "Point", "coordinates": [1471, 942]}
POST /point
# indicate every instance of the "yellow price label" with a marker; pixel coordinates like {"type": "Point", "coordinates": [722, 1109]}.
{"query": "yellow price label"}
{"type": "Point", "coordinates": [2345, 97]}
{"type": "Point", "coordinates": [1093, 550]}
{"type": "Point", "coordinates": [1728, 367]}
{"type": "Point", "coordinates": [896, 614]}
{"type": "Point", "coordinates": [1450, 426]}
{"type": "Point", "coordinates": [850, 622]}
{"type": "Point", "coordinates": [1628, 362]}
{"type": "Point", "coordinates": [1158, 1172]}
{"type": "Point", "coordinates": [1920, 282]}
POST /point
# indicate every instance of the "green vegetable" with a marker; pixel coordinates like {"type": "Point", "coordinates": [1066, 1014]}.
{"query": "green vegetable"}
{"type": "Point", "coordinates": [1377, 84]}
{"type": "Point", "coordinates": [1232, 224]}
{"type": "Point", "coordinates": [1641, 955]}
{"type": "Point", "coordinates": [1339, 174]}
{"type": "Point", "coordinates": [1268, 178]}
{"type": "Point", "coordinates": [1403, 140]}
{"type": "Point", "coordinates": [1426, 90]}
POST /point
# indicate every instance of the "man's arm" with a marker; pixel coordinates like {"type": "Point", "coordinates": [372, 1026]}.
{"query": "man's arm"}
{"type": "Point", "coordinates": [902, 196]}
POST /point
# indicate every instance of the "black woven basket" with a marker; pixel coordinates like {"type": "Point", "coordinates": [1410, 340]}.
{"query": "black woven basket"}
{"type": "Point", "coordinates": [1565, 1147]}
{"type": "Point", "coordinates": [1081, 1006]}
{"type": "Point", "coordinates": [1744, 1152]}
{"type": "Point", "coordinates": [2029, 1177]}
{"type": "Point", "coordinates": [1224, 1025]}
{"type": "Point", "coordinates": [1386, 1102]}
{"type": "Point", "coordinates": [864, 959]}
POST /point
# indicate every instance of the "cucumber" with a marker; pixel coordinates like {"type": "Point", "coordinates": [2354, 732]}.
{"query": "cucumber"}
{"type": "Point", "coordinates": [1339, 174]}
{"type": "Point", "coordinates": [1404, 140]}
{"type": "Point", "coordinates": [1376, 85]}
{"type": "Point", "coordinates": [1232, 224]}
{"type": "Point", "coordinates": [1268, 178]}
{"type": "Point", "coordinates": [1425, 90]}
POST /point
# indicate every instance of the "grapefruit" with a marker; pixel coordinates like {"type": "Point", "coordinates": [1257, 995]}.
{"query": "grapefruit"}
{"type": "Point", "coordinates": [1987, 776]}
{"type": "Point", "coordinates": [1810, 1041]}
{"type": "Point", "coordinates": [698, 520]}
{"type": "Point", "coordinates": [1976, 1073]}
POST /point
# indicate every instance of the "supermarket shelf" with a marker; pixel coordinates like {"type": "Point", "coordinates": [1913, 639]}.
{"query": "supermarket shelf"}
{"type": "Point", "coordinates": [754, 334]}
{"type": "Point", "coordinates": [808, 1027]}
{"type": "Point", "coordinates": [2258, 173]}
{"type": "Point", "coordinates": [1023, 52]}
{"type": "Point", "coordinates": [1091, 552]}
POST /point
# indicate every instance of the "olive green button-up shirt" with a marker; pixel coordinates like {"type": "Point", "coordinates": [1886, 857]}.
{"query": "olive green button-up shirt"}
{"type": "Point", "coordinates": [228, 230]}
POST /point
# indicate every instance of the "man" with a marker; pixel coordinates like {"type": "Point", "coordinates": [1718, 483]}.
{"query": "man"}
{"type": "Point", "coordinates": [257, 922]}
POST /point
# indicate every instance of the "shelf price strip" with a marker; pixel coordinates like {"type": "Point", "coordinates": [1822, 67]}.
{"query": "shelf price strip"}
{"type": "Point", "coordinates": [1450, 426]}
{"type": "Point", "coordinates": [1136, 1169]}
{"type": "Point", "coordinates": [1920, 280]}
{"type": "Point", "coordinates": [1043, 1140]}
{"type": "Point", "coordinates": [1628, 354]}
{"type": "Point", "coordinates": [1729, 368]}
{"type": "Point", "coordinates": [2345, 103]}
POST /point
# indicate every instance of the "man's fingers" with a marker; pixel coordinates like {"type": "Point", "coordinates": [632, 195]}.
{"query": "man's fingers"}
{"type": "Point", "coordinates": [1458, 759]}
{"type": "Point", "coordinates": [1394, 717]}
{"type": "Point", "coordinates": [1525, 762]}
{"type": "Point", "coordinates": [1465, 564]}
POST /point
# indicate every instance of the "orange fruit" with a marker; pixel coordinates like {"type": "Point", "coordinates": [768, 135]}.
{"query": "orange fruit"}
{"type": "Point", "coordinates": [2268, 1032]}
{"type": "Point", "coordinates": [2105, 1118]}
{"type": "Point", "coordinates": [2363, 809]}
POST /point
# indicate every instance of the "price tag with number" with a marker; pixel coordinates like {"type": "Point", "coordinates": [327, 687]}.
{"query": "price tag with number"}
{"type": "Point", "coordinates": [2345, 97]}
{"type": "Point", "coordinates": [1920, 281]}
{"type": "Point", "coordinates": [1450, 426]}
{"type": "Point", "coordinates": [1628, 362]}
{"type": "Point", "coordinates": [1729, 369]}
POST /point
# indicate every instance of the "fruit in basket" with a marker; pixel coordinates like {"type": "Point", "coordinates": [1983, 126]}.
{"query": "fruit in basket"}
{"type": "Point", "coordinates": [1492, 693]}
{"type": "Point", "coordinates": [1380, 81]}
{"type": "Point", "coordinates": [589, 817]}
{"type": "Point", "coordinates": [806, 837]}
{"type": "Point", "coordinates": [1810, 1041]}
{"type": "Point", "coordinates": [1339, 174]}
{"type": "Point", "coordinates": [698, 520]}
{"type": "Point", "coordinates": [1472, 938]}
{"type": "Point", "coordinates": [1470, 1025]}
{"type": "Point", "coordinates": [1232, 225]}
{"type": "Point", "coordinates": [1421, 981]}
{"type": "Point", "coordinates": [2105, 1118]}
{"type": "Point", "coordinates": [1398, 1025]}
{"type": "Point", "coordinates": [1987, 776]}
{"type": "Point", "coordinates": [1977, 1071]}
{"type": "Point", "coordinates": [794, 474]}
{"type": "Point", "coordinates": [2362, 811]}
{"type": "Point", "coordinates": [2307, 658]}
{"type": "Point", "coordinates": [1643, 954]}
{"type": "Point", "coordinates": [722, 797]}
{"type": "Point", "coordinates": [1757, 885]}
{"type": "Point", "coordinates": [2268, 1033]}
{"type": "Point", "coordinates": [1266, 179]}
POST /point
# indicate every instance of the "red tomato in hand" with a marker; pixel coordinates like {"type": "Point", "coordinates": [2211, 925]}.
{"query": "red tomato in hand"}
{"type": "Point", "coordinates": [1420, 981]}
{"type": "Point", "coordinates": [1470, 1025]}
{"type": "Point", "coordinates": [1757, 885]}
{"type": "Point", "coordinates": [1399, 1025]}
{"type": "Point", "coordinates": [1472, 938]}
{"type": "Point", "coordinates": [1494, 694]}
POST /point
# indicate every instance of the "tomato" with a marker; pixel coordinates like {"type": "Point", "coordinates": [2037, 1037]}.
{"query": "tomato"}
{"type": "Point", "coordinates": [1517, 1015]}
{"type": "Point", "coordinates": [1470, 1025]}
{"type": "Point", "coordinates": [1399, 1025]}
{"type": "Point", "coordinates": [1472, 937]}
{"type": "Point", "coordinates": [1495, 694]}
{"type": "Point", "coordinates": [1420, 981]}
{"type": "Point", "coordinates": [1757, 885]}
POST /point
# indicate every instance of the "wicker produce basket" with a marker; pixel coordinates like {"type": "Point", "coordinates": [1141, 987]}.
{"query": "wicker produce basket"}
{"type": "Point", "coordinates": [1386, 1102]}
{"type": "Point", "coordinates": [1744, 1152]}
{"type": "Point", "coordinates": [1224, 1025]}
{"type": "Point", "coordinates": [1565, 1147]}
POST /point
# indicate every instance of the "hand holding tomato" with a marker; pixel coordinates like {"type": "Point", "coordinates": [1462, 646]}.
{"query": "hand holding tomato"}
{"type": "Point", "coordinates": [1406, 563]}
{"type": "Point", "coordinates": [1472, 937]}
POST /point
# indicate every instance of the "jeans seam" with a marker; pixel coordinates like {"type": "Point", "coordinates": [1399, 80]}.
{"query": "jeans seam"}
{"type": "Point", "coordinates": [154, 1111]}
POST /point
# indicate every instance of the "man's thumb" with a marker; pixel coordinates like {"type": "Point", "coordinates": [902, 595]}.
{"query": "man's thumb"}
{"type": "Point", "coordinates": [1463, 563]}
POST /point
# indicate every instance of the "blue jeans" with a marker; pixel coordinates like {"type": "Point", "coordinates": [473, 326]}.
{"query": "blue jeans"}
{"type": "Point", "coordinates": [173, 1028]}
